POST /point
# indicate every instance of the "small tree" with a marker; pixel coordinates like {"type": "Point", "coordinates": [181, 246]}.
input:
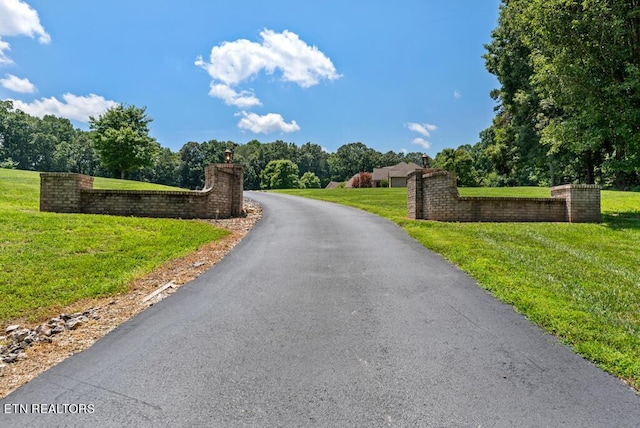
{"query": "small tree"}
{"type": "Point", "coordinates": [279, 174]}
{"type": "Point", "coordinates": [121, 137]}
{"type": "Point", "coordinates": [309, 181]}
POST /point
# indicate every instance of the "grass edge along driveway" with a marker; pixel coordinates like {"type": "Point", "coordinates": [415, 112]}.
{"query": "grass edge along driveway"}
{"type": "Point", "coordinates": [580, 282]}
{"type": "Point", "coordinates": [50, 260]}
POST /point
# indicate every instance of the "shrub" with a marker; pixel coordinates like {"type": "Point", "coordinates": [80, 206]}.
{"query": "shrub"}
{"type": "Point", "coordinates": [363, 180]}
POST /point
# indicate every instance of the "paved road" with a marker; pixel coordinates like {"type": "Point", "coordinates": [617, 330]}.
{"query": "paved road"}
{"type": "Point", "coordinates": [325, 315]}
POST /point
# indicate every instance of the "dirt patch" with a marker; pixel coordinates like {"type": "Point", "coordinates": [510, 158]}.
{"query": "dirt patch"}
{"type": "Point", "coordinates": [114, 310]}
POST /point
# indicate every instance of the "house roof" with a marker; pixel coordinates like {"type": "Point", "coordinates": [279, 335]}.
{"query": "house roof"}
{"type": "Point", "coordinates": [399, 170]}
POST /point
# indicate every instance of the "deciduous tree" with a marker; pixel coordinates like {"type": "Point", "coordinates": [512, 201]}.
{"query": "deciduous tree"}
{"type": "Point", "coordinates": [121, 137]}
{"type": "Point", "coordinates": [280, 174]}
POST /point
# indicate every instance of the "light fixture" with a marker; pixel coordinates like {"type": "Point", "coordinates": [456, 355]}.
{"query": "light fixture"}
{"type": "Point", "coordinates": [425, 161]}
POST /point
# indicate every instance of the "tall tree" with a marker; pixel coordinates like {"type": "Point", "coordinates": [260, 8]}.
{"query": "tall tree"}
{"type": "Point", "coordinates": [121, 137]}
{"type": "Point", "coordinates": [460, 162]}
{"type": "Point", "coordinates": [191, 170]}
{"type": "Point", "coordinates": [352, 158]}
{"type": "Point", "coordinates": [311, 158]}
{"type": "Point", "coordinates": [251, 157]}
{"type": "Point", "coordinates": [513, 141]}
{"type": "Point", "coordinates": [17, 129]}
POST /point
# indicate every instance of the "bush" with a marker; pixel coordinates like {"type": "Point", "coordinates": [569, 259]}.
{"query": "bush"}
{"type": "Point", "coordinates": [363, 180]}
{"type": "Point", "coordinates": [8, 163]}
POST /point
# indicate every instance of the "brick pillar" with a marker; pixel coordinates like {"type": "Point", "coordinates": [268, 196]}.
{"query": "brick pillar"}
{"type": "Point", "coordinates": [61, 191]}
{"type": "Point", "coordinates": [230, 187]}
{"type": "Point", "coordinates": [415, 206]}
{"type": "Point", "coordinates": [237, 187]}
{"type": "Point", "coordinates": [582, 201]}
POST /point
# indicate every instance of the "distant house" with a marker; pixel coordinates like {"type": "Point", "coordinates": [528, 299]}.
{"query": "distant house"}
{"type": "Point", "coordinates": [333, 185]}
{"type": "Point", "coordinates": [395, 175]}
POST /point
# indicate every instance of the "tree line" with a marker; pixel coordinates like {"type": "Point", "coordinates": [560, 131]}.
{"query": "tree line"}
{"type": "Point", "coordinates": [118, 145]}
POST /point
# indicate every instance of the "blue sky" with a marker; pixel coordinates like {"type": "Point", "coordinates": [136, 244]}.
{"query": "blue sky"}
{"type": "Point", "coordinates": [398, 75]}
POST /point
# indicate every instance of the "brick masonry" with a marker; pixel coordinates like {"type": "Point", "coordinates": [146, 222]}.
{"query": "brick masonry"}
{"type": "Point", "coordinates": [74, 193]}
{"type": "Point", "coordinates": [433, 195]}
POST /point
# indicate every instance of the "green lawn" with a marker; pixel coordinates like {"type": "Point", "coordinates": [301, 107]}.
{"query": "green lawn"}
{"type": "Point", "coordinates": [49, 260]}
{"type": "Point", "coordinates": [580, 282]}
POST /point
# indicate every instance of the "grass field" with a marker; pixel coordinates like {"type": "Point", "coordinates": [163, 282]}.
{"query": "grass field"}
{"type": "Point", "coordinates": [49, 260]}
{"type": "Point", "coordinates": [580, 282]}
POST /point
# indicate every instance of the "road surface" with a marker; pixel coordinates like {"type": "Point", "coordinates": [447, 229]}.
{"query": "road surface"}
{"type": "Point", "coordinates": [325, 316]}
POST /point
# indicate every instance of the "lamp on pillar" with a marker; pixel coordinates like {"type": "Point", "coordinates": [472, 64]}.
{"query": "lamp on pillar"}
{"type": "Point", "coordinates": [228, 156]}
{"type": "Point", "coordinates": [425, 160]}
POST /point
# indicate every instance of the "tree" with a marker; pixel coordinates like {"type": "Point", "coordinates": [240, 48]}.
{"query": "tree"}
{"type": "Point", "coordinates": [16, 136]}
{"type": "Point", "coordinates": [309, 181]}
{"type": "Point", "coordinates": [459, 162]}
{"type": "Point", "coordinates": [280, 174]}
{"type": "Point", "coordinates": [76, 155]}
{"type": "Point", "coordinates": [251, 157]}
{"type": "Point", "coordinates": [311, 158]}
{"type": "Point", "coordinates": [192, 165]}
{"type": "Point", "coordinates": [513, 142]}
{"type": "Point", "coordinates": [351, 159]}
{"type": "Point", "coordinates": [121, 137]}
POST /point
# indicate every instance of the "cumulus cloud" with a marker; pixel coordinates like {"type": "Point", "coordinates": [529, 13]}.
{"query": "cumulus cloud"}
{"type": "Point", "coordinates": [17, 84]}
{"type": "Point", "coordinates": [72, 107]}
{"type": "Point", "coordinates": [17, 18]}
{"type": "Point", "coordinates": [4, 58]}
{"type": "Point", "coordinates": [422, 142]}
{"type": "Point", "coordinates": [266, 124]}
{"type": "Point", "coordinates": [232, 63]}
{"type": "Point", "coordinates": [243, 99]}
{"type": "Point", "coordinates": [423, 129]}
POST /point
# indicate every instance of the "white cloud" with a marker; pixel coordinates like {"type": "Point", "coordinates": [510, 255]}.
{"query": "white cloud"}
{"type": "Point", "coordinates": [234, 62]}
{"type": "Point", "coordinates": [423, 129]}
{"type": "Point", "coordinates": [17, 84]}
{"type": "Point", "coordinates": [244, 99]}
{"type": "Point", "coordinates": [267, 123]}
{"type": "Point", "coordinates": [4, 59]}
{"type": "Point", "coordinates": [17, 18]}
{"type": "Point", "coordinates": [405, 151]}
{"type": "Point", "coordinates": [457, 94]}
{"type": "Point", "coordinates": [299, 62]}
{"type": "Point", "coordinates": [422, 142]}
{"type": "Point", "coordinates": [72, 107]}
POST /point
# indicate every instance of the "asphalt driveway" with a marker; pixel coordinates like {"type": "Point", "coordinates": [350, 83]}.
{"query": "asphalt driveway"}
{"type": "Point", "coordinates": [328, 316]}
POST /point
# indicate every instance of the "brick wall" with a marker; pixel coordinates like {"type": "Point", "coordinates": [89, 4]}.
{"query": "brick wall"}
{"type": "Point", "coordinates": [583, 202]}
{"type": "Point", "coordinates": [74, 193]}
{"type": "Point", "coordinates": [437, 192]}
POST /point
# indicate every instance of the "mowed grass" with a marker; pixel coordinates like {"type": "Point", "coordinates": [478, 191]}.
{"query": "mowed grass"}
{"type": "Point", "coordinates": [50, 260]}
{"type": "Point", "coordinates": [580, 282]}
